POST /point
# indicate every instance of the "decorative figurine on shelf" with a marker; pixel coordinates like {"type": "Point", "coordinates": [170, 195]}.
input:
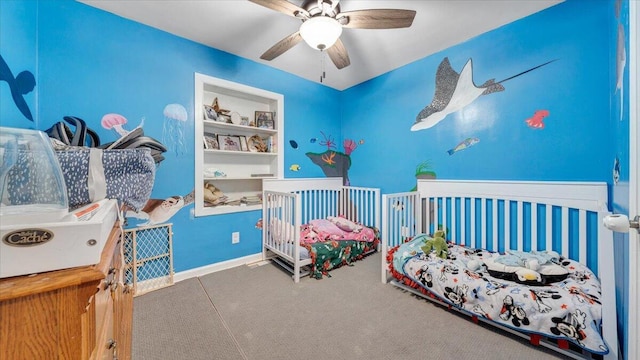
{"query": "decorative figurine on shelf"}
{"type": "Point", "coordinates": [217, 109]}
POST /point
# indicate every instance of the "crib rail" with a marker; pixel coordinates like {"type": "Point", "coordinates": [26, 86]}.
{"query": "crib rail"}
{"type": "Point", "coordinates": [401, 218]}
{"type": "Point", "coordinates": [523, 216]}
{"type": "Point", "coordinates": [281, 228]}
{"type": "Point", "coordinates": [289, 203]}
{"type": "Point", "coordinates": [512, 215]}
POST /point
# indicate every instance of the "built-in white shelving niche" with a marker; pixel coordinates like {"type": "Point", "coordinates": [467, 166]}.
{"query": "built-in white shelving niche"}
{"type": "Point", "coordinates": [244, 167]}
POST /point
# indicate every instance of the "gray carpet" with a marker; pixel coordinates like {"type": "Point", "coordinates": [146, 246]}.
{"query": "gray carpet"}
{"type": "Point", "coordinates": [259, 313]}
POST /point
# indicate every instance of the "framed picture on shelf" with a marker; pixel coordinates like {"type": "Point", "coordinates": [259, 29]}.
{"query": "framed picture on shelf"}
{"type": "Point", "coordinates": [211, 141]}
{"type": "Point", "coordinates": [209, 113]}
{"type": "Point", "coordinates": [229, 142]}
{"type": "Point", "coordinates": [243, 143]}
{"type": "Point", "coordinates": [265, 119]}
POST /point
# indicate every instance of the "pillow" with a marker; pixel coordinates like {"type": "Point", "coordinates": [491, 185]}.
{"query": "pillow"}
{"type": "Point", "coordinates": [345, 224]}
{"type": "Point", "coordinates": [281, 232]}
{"type": "Point", "coordinates": [530, 273]}
{"type": "Point", "coordinates": [325, 227]}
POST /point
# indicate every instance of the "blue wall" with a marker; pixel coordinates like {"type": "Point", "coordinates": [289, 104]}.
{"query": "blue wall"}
{"type": "Point", "coordinates": [577, 90]}
{"type": "Point", "coordinates": [18, 49]}
{"type": "Point", "coordinates": [88, 63]}
{"type": "Point", "coordinates": [574, 89]}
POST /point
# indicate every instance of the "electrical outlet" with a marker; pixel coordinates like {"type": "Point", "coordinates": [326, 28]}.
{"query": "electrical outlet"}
{"type": "Point", "coordinates": [235, 237]}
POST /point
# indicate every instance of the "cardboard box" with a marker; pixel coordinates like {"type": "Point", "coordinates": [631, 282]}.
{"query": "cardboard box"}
{"type": "Point", "coordinates": [40, 247]}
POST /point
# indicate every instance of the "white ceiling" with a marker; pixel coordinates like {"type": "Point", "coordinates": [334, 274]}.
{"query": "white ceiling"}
{"type": "Point", "coordinates": [247, 30]}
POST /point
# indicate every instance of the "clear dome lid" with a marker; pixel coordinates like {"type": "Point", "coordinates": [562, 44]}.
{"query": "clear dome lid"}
{"type": "Point", "coordinates": [32, 187]}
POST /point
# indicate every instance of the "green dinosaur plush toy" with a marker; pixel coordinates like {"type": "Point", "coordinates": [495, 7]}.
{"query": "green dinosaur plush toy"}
{"type": "Point", "coordinates": [437, 244]}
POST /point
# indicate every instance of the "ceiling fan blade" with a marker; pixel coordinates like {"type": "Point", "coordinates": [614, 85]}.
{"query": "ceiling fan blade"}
{"type": "Point", "coordinates": [338, 54]}
{"type": "Point", "coordinates": [281, 46]}
{"type": "Point", "coordinates": [378, 18]}
{"type": "Point", "coordinates": [282, 6]}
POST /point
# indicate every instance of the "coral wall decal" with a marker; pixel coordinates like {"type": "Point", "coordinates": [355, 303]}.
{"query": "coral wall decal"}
{"type": "Point", "coordinates": [334, 163]}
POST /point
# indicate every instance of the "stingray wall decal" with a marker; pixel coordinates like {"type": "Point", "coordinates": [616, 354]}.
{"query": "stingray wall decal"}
{"type": "Point", "coordinates": [455, 91]}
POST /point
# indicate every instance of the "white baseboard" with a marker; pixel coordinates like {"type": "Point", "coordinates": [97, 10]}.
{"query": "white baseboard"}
{"type": "Point", "coordinates": [223, 265]}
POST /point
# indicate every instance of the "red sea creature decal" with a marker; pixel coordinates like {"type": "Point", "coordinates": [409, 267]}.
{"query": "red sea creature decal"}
{"type": "Point", "coordinates": [536, 120]}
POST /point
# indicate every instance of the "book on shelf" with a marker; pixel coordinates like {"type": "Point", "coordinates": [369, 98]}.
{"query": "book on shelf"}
{"type": "Point", "coordinates": [251, 200]}
{"type": "Point", "coordinates": [270, 142]}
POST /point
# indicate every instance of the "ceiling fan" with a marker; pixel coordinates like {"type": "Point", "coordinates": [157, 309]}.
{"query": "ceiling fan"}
{"type": "Point", "coordinates": [322, 23]}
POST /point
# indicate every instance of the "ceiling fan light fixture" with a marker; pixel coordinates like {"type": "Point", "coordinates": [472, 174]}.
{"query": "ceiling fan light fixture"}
{"type": "Point", "coordinates": [321, 32]}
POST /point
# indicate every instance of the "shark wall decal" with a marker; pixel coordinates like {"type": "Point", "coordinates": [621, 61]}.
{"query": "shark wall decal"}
{"type": "Point", "coordinates": [20, 85]}
{"type": "Point", "coordinates": [455, 91]}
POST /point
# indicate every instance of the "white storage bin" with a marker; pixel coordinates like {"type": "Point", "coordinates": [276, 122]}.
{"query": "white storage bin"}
{"type": "Point", "coordinates": [38, 247]}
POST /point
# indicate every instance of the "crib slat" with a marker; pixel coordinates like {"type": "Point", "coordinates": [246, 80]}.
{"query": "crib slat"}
{"type": "Point", "coordinates": [507, 225]}
{"type": "Point", "coordinates": [472, 223]}
{"type": "Point", "coordinates": [454, 220]}
{"type": "Point", "coordinates": [444, 215]}
{"type": "Point", "coordinates": [582, 240]}
{"type": "Point", "coordinates": [296, 241]}
{"type": "Point", "coordinates": [483, 223]}
{"type": "Point", "coordinates": [534, 226]}
{"type": "Point", "coordinates": [463, 215]}
{"type": "Point", "coordinates": [549, 227]}
{"type": "Point", "coordinates": [519, 226]}
{"type": "Point", "coordinates": [565, 231]}
{"type": "Point", "coordinates": [494, 225]}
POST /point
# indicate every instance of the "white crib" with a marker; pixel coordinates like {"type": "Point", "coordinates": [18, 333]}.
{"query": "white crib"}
{"type": "Point", "coordinates": [526, 216]}
{"type": "Point", "coordinates": [289, 203]}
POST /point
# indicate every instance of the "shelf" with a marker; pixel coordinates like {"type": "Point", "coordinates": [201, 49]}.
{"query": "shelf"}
{"type": "Point", "coordinates": [241, 153]}
{"type": "Point", "coordinates": [233, 127]}
{"type": "Point", "coordinates": [226, 209]}
{"type": "Point", "coordinates": [248, 102]}
{"type": "Point", "coordinates": [235, 178]}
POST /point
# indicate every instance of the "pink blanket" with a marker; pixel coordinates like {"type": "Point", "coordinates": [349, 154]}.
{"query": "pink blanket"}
{"type": "Point", "coordinates": [326, 230]}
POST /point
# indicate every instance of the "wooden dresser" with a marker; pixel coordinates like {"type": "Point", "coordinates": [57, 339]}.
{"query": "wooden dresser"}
{"type": "Point", "coordinates": [78, 313]}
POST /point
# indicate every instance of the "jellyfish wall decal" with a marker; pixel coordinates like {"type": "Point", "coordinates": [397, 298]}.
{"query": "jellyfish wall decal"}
{"type": "Point", "coordinates": [173, 130]}
{"type": "Point", "coordinates": [114, 122]}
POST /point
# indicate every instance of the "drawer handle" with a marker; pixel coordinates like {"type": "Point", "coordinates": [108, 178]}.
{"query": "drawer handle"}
{"type": "Point", "coordinates": [111, 344]}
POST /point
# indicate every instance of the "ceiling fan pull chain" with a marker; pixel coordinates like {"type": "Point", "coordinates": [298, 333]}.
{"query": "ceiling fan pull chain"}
{"type": "Point", "coordinates": [322, 69]}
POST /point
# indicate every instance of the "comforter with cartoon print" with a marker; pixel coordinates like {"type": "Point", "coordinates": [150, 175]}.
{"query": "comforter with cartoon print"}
{"type": "Point", "coordinates": [561, 307]}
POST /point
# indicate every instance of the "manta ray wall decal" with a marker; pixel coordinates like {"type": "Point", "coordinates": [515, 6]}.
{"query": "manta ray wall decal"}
{"type": "Point", "coordinates": [455, 91]}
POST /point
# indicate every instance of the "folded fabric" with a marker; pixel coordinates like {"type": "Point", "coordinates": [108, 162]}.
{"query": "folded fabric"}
{"type": "Point", "coordinates": [94, 174]}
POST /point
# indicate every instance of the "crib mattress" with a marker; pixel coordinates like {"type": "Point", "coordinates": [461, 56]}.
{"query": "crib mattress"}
{"type": "Point", "coordinates": [569, 309]}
